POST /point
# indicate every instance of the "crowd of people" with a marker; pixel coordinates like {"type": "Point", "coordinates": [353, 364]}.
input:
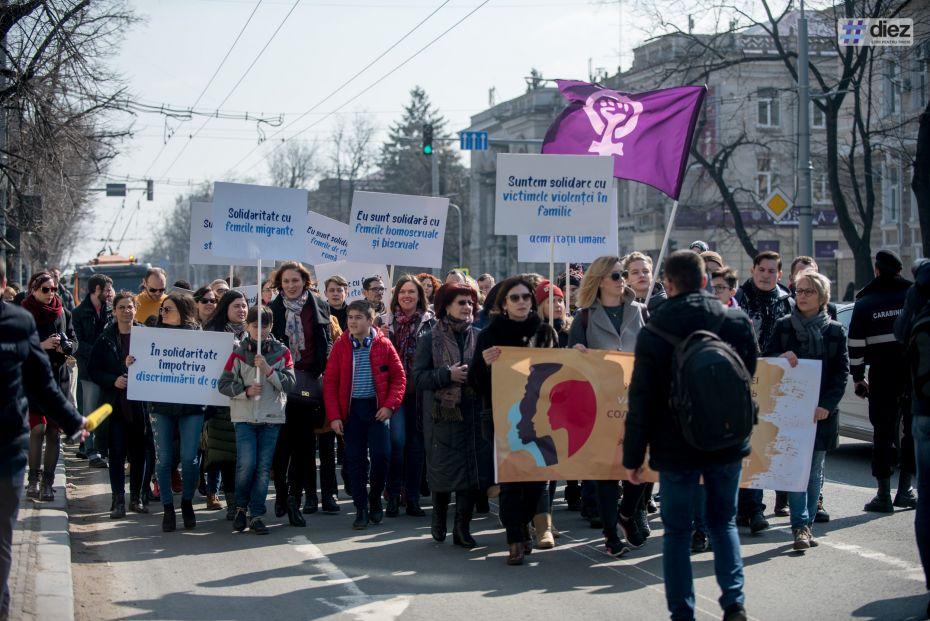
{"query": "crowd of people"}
{"type": "Point", "coordinates": [392, 393]}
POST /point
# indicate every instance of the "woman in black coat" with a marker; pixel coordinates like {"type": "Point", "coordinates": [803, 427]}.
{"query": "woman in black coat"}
{"type": "Point", "coordinates": [456, 453]}
{"type": "Point", "coordinates": [808, 333]}
{"type": "Point", "coordinates": [517, 325]}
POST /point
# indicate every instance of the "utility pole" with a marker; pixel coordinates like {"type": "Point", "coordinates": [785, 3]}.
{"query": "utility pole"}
{"type": "Point", "coordinates": [4, 184]}
{"type": "Point", "coordinates": [805, 194]}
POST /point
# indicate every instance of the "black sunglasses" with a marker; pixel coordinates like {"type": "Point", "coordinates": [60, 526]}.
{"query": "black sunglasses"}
{"type": "Point", "coordinates": [153, 291]}
{"type": "Point", "coordinates": [49, 289]}
{"type": "Point", "coordinates": [517, 297]}
{"type": "Point", "coordinates": [616, 276]}
{"type": "Point", "coordinates": [465, 303]}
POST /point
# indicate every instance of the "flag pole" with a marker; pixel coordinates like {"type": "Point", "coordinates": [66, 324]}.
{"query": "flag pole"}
{"type": "Point", "coordinates": [551, 279]}
{"type": "Point", "coordinates": [231, 274]}
{"type": "Point", "coordinates": [258, 337]}
{"type": "Point", "coordinates": [568, 290]}
{"type": "Point", "coordinates": [668, 232]}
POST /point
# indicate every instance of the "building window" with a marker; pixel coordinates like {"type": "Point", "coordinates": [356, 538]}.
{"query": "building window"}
{"type": "Point", "coordinates": [918, 83]}
{"type": "Point", "coordinates": [818, 117]}
{"type": "Point", "coordinates": [820, 184]}
{"type": "Point", "coordinates": [892, 85]}
{"type": "Point", "coordinates": [767, 113]}
{"type": "Point", "coordinates": [891, 194]}
{"type": "Point", "coordinates": [768, 245]}
{"type": "Point", "coordinates": [763, 176]}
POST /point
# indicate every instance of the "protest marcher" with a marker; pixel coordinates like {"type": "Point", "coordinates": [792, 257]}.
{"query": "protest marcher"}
{"type": "Point", "coordinates": [872, 344]}
{"type": "Point", "coordinates": [764, 301]}
{"type": "Point", "coordinates": [257, 385]}
{"type": "Point", "coordinates": [408, 320]}
{"type": "Point", "coordinates": [808, 333]}
{"type": "Point", "coordinates": [67, 298]}
{"type": "Point", "coordinates": [89, 318]}
{"type": "Point", "coordinates": [268, 292]}
{"type": "Point", "coordinates": [206, 304]}
{"type": "Point", "coordinates": [152, 292]}
{"type": "Point", "coordinates": [129, 425]}
{"type": "Point", "coordinates": [652, 421]}
{"type": "Point", "coordinates": [456, 276]}
{"type": "Point", "coordinates": [517, 324]}
{"type": "Point", "coordinates": [363, 388]}
{"type": "Point", "coordinates": [698, 246]}
{"type": "Point", "coordinates": [336, 289]}
{"type": "Point", "coordinates": [219, 434]}
{"type": "Point", "coordinates": [57, 339]}
{"type": "Point", "coordinates": [8, 294]}
{"type": "Point", "coordinates": [373, 288]}
{"type": "Point", "coordinates": [302, 323]}
{"type": "Point", "coordinates": [458, 457]}
{"type": "Point", "coordinates": [431, 285]}
{"type": "Point", "coordinates": [488, 308]}
{"type": "Point", "coordinates": [485, 282]}
{"type": "Point", "coordinates": [571, 280]}
{"type": "Point", "coordinates": [27, 382]}
{"type": "Point", "coordinates": [220, 286]}
{"type": "Point", "coordinates": [611, 319]}
{"type": "Point", "coordinates": [724, 281]}
{"type": "Point", "coordinates": [639, 276]}
{"type": "Point", "coordinates": [169, 419]}
{"type": "Point", "coordinates": [916, 307]}
{"type": "Point", "coordinates": [182, 284]}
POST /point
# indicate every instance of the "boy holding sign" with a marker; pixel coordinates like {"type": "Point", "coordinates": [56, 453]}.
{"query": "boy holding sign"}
{"type": "Point", "coordinates": [269, 376]}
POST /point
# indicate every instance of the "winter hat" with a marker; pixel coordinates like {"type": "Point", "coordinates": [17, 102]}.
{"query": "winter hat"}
{"type": "Point", "coordinates": [545, 289]}
{"type": "Point", "coordinates": [575, 274]}
{"type": "Point", "coordinates": [887, 262]}
{"type": "Point", "coordinates": [699, 246]}
{"type": "Point", "coordinates": [710, 255]}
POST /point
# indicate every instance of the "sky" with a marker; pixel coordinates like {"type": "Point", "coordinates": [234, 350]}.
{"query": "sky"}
{"type": "Point", "coordinates": [170, 56]}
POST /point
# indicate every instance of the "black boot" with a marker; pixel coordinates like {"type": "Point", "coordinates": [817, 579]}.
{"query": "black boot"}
{"type": "Point", "coordinates": [32, 487]}
{"type": "Point", "coordinates": [393, 506]}
{"type": "Point", "coordinates": [118, 506]}
{"type": "Point", "coordinates": [882, 501]}
{"type": "Point", "coordinates": [482, 506]}
{"type": "Point", "coordinates": [440, 515]}
{"type": "Point", "coordinates": [230, 506]}
{"type": "Point", "coordinates": [136, 505]}
{"type": "Point", "coordinates": [280, 506]}
{"type": "Point", "coordinates": [905, 497]}
{"type": "Point", "coordinates": [311, 504]}
{"type": "Point", "coordinates": [169, 519]}
{"type": "Point", "coordinates": [781, 504]}
{"type": "Point", "coordinates": [361, 518]}
{"type": "Point", "coordinates": [187, 512]}
{"type": "Point", "coordinates": [375, 508]}
{"type": "Point", "coordinates": [293, 512]}
{"type": "Point", "coordinates": [461, 530]}
{"type": "Point", "coordinates": [642, 521]}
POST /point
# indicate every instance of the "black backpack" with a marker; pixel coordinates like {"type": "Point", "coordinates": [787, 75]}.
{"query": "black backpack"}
{"type": "Point", "coordinates": [918, 347]}
{"type": "Point", "coordinates": [711, 391]}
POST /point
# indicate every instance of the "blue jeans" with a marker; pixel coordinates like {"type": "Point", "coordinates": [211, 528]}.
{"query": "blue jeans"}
{"type": "Point", "coordinates": [803, 505]}
{"type": "Point", "coordinates": [254, 453]}
{"type": "Point", "coordinates": [395, 480]}
{"type": "Point", "coordinates": [698, 507]}
{"type": "Point", "coordinates": [407, 452]}
{"type": "Point", "coordinates": [921, 429]}
{"type": "Point", "coordinates": [679, 488]}
{"type": "Point", "coordinates": [90, 399]}
{"type": "Point", "coordinates": [363, 435]}
{"type": "Point", "coordinates": [189, 428]}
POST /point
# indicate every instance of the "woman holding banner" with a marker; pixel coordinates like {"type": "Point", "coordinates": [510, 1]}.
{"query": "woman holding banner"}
{"type": "Point", "coordinates": [177, 312]}
{"type": "Point", "coordinates": [302, 323]}
{"type": "Point", "coordinates": [808, 333]}
{"type": "Point", "coordinates": [517, 324]}
{"type": "Point", "coordinates": [129, 428]}
{"type": "Point", "coordinates": [458, 457]}
{"type": "Point", "coordinates": [408, 320]}
{"type": "Point", "coordinates": [610, 318]}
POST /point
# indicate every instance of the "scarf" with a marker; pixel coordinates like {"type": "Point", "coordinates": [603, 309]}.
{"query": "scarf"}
{"type": "Point", "coordinates": [809, 332]}
{"type": "Point", "coordinates": [448, 405]}
{"type": "Point", "coordinates": [237, 329]}
{"type": "Point", "coordinates": [293, 328]}
{"type": "Point", "coordinates": [405, 336]}
{"type": "Point", "coordinates": [44, 314]}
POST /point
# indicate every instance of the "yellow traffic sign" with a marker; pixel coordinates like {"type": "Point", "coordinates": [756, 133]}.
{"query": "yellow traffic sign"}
{"type": "Point", "coordinates": [777, 204]}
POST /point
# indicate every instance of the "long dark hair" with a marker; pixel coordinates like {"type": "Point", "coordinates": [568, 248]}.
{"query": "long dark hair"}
{"type": "Point", "coordinates": [187, 309]}
{"type": "Point", "coordinates": [220, 318]}
{"type": "Point", "coordinates": [505, 288]}
{"type": "Point", "coordinates": [422, 302]}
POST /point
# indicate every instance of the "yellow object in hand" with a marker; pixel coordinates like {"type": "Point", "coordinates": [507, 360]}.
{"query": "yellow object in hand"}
{"type": "Point", "coordinates": [99, 415]}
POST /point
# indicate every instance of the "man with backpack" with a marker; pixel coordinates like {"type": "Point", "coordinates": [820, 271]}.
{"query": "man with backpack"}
{"type": "Point", "coordinates": [691, 404]}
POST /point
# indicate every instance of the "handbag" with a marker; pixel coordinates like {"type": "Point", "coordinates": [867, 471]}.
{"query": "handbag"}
{"type": "Point", "coordinates": [308, 396]}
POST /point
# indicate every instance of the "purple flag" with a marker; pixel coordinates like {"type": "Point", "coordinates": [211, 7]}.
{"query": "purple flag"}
{"type": "Point", "coordinates": [648, 134]}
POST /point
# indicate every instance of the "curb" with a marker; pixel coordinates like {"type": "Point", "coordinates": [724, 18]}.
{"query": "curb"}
{"type": "Point", "coordinates": [54, 583]}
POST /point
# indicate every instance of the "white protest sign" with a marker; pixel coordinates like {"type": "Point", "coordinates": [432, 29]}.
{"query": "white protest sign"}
{"type": "Point", "coordinates": [572, 247]}
{"type": "Point", "coordinates": [354, 273]}
{"type": "Point", "coordinates": [397, 229]}
{"type": "Point", "coordinates": [328, 239]}
{"type": "Point", "coordinates": [250, 292]}
{"type": "Point", "coordinates": [178, 366]}
{"type": "Point", "coordinates": [259, 222]}
{"type": "Point", "coordinates": [201, 239]}
{"type": "Point", "coordinates": [558, 194]}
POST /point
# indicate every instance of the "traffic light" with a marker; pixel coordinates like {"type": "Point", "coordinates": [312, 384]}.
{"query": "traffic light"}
{"type": "Point", "coordinates": [149, 190]}
{"type": "Point", "coordinates": [427, 139]}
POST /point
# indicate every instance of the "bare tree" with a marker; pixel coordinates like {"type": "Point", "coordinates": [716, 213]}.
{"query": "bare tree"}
{"type": "Point", "coordinates": [296, 165]}
{"type": "Point", "coordinates": [353, 153]}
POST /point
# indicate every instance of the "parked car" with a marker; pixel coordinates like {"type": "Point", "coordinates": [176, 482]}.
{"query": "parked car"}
{"type": "Point", "coordinates": [854, 411]}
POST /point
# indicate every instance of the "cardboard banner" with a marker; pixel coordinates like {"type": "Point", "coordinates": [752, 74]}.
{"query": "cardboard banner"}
{"type": "Point", "coordinates": [328, 239]}
{"type": "Point", "coordinates": [178, 366]}
{"type": "Point", "coordinates": [560, 415]}
{"type": "Point", "coordinates": [258, 222]}
{"type": "Point", "coordinates": [201, 238]}
{"type": "Point", "coordinates": [552, 194]}
{"type": "Point", "coordinates": [250, 292]}
{"type": "Point", "coordinates": [397, 229]}
{"type": "Point", "coordinates": [572, 248]}
{"type": "Point", "coordinates": [355, 274]}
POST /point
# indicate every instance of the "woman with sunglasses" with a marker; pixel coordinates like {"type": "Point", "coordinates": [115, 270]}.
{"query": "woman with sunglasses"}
{"type": "Point", "coordinates": [457, 456]}
{"type": "Point", "coordinates": [610, 318]}
{"type": "Point", "coordinates": [57, 338]}
{"type": "Point", "coordinates": [206, 304]}
{"type": "Point", "coordinates": [517, 324]}
{"type": "Point", "coordinates": [177, 312]}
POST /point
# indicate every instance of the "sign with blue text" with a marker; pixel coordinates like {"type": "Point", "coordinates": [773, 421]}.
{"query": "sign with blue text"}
{"type": "Point", "coordinates": [572, 247]}
{"type": "Point", "coordinates": [259, 222]}
{"type": "Point", "coordinates": [201, 248]}
{"type": "Point", "coordinates": [397, 229]}
{"type": "Point", "coordinates": [552, 194]}
{"type": "Point", "coordinates": [355, 274]}
{"type": "Point", "coordinates": [328, 239]}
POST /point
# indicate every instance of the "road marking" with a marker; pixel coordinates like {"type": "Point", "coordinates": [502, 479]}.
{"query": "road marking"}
{"type": "Point", "coordinates": [356, 604]}
{"type": "Point", "coordinates": [914, 572]}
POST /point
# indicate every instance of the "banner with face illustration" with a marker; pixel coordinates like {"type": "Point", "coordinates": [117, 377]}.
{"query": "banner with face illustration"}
{"type": "Point", "coordinates": [560, 415]}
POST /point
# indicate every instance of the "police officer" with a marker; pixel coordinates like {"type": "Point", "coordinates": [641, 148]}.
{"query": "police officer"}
{"type": "Point", "coordinates": [872, 343]}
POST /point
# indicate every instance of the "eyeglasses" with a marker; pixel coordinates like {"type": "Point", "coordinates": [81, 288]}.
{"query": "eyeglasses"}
{"type": "Point", "coordinates": [377, 289]}
{"type": "Point", "coordinates": [520, 297]}
{"type": "Point", "coordinates": [466, 303]}
{"type": "Point", "coordinates": [155, 291]}
{"type": "Point", "coordinates": [167, 310]}
{"type": "Point", "coordinates": [49, 289]}
{"type": "Point", "coordinates": [721, 288]}
{"type": "Point", "coordinates": [207, 301]}
{"type": "Point", "coordinates": [805, 292]}
{"type": "Point", "coordinates": [616, 276]}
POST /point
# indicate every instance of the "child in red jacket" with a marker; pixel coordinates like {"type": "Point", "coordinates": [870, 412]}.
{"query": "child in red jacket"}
{"type": "Point", "coordinates": [363, 386]}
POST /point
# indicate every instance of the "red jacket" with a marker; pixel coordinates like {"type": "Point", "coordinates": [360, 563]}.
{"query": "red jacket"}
{"type": "Point", "coordinates": [386, 370]}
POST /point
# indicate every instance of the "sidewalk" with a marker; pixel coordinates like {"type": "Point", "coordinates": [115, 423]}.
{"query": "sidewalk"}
{"type": "Point", "coordinates": [40, 583]}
